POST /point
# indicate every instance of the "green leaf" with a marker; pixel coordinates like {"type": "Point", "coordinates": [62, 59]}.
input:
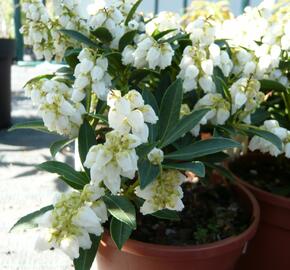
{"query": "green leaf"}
{"type": "Point", "coordinates": [150, 100]}
{"type": "Point", "coordinates": [120, 232]}
{"type": "Point", "coordinates": [203, 148]}
{"type": "Point", "coordinates": [144, 149]}
{"type": "Point", "coordinates": [59, 145]}
{"type": "Point", "coordinates": [29, 221]}
{"type": "Point", "coordinates": [80, 37]}
{"type": "Point", "coordinates": [122, 209]}
{"type": "Point", "coordinates": [87, 138]}
{"type": "Point", "coordinates": [132, 11]}
{"type": "Point", "coordinates": [68, 174]}
{"type": "Point", "coordinates": [127, 39]}
{"type": "Point", "coordinates": [35, 125]}
{"type": "Point", "coordinates": [179, 36]}
{"type": "Point", "coordinates": [147, 172]}
{"type": "Point", "coordinates": [71, 57]}
{"type": "Point", "coordinates": [87, 257]}
{"type": "Point", "coordinates": [101, 117]}
{"type": "Point", "coordinates": [167, 215]}
{"type": "Point", "coordinates": [272, 85]}
{"type": "Point", "coordinates": [103, 34]}
{"type": "Point", "coordinates": [268, 136]}
{"type": "Point", "coordinates": [170, 108]}
{"type": "Point", "coordinates": [38, 78]}
{"type": "Point", "coordinates": [195, 167]}
{"type": "Point", "coordinates": [138, 75]}
{"type": "Point", "coordinates": [159, 35]}
{"type": "Point", "coordinates": [223, 43]}
{"type": "Point", "coordinates": [183, 126]}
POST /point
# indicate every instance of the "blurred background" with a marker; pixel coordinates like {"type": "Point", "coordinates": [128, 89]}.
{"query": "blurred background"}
{"type": "Point", "coordinates": [23, 188]}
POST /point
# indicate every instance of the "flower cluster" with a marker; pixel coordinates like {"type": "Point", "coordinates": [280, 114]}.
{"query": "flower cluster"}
{"type": "Point", "coordinates": [199, 60]}
{"type": "Point", "coordinates": [75, 215]}
{"type": "Point", "coordinates": [115, 158]}
{"type": "Point", "coordinates": [130, 114]}
{"type": "Point", "coordinates": [148, 53]}
{"type": "Point", "coordinates": [58, 111]}
{"type": "Point", "coordinates": [258, 143]}
{"type": "Point", "coordinates": [164, 193]}
{"type": "Point", "coordinates": [91, 73]}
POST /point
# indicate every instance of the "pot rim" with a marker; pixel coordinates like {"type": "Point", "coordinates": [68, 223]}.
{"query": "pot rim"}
{"type": "Point", "coordinates": [263, 195]}
{"type": "Point", "coordinates": [206, 250]}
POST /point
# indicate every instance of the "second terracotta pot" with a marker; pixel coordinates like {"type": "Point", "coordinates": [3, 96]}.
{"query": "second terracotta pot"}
{"type": "Point", "coordinates": [221, 255]}
{"type": "Point", "coordinates": [270, 249]}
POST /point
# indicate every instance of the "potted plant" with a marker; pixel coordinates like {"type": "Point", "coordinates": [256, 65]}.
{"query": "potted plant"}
{"type": "Point", "coordinates": [139, 101]}
{"type": "Point", "coordinates": [266, 173]}
{"type": "Point", "coordinates": [7, 52]}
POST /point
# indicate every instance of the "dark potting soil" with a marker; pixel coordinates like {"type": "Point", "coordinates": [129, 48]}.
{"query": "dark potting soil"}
{"type": "Point", "coordinates": [265, 172]}
{"type": "Point", "coordinates": [210, 214]}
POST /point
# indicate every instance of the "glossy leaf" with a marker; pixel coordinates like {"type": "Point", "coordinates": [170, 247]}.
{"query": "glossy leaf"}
{"type": "Point", "coordinates": [132, 11]}
{"type": "Point", "coordinates": [167, 215]}
{"type": "Point", "coordinates": [147, 172]}
{"type": "Point", "coordinates": [103, 34]}
{"type": "Point", "coordinates": [127, 39]}
{"type": "Point", "coordinates": [29, 221]}
{"type": "Point", "coordinates": [68, 174]}
{"type": "Point", "coordinates": [59, 145]}
{"type": "Point", "coordinates": [195, 167]}
{"type": "Point", "coordinates": [37, 125]}
{"type": "Point", "coordinates": [122, 209]}
{"type": "Point", "coordinates": [203, 148]}
{"type": "Point", "coordinates": [120, 232]}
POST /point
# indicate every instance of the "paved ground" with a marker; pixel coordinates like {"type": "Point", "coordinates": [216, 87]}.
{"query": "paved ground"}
{"type": "Point", "coordinates": [22, 188]}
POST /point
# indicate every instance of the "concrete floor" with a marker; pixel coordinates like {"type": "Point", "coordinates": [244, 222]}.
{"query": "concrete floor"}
{"type": "Point", "coordinates": [23, 189]}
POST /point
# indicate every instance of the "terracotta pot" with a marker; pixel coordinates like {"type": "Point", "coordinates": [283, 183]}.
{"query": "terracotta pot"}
{"type": "Point", "coordinates": [270, 249]}
{"type": "Point", "coordinates": [221, 255]}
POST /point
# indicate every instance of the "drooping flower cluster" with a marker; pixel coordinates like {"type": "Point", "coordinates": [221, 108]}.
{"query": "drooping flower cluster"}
{"type": "Point", "coordinates": [148, 53]}
{"type": "Point", "coordinates": [258, 143]}
{"type": "Point", "coordinates": [246, 94]}
{"type": "Point", "coordinates": [115, 158]}
{"type": "Point", "coordinates": [112, 15]}
{"type": "Point", "coordinates": [219, 113]}
{"type": "Point", "coordinates": [55, 106]}
{"type": "Point", "coordinates": [198, 61]}
{"type": "Point", "coordinates": [164, 193]}
{"type": "Point", "coordinates": [75, 215]}
{"type": "Point", "coordinates": [91, 73]}
{"type": "Point", "coordinates": [130, 114]}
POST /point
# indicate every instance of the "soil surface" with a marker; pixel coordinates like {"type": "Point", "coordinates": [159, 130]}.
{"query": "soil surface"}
{"type": "Point", "coordinates": [265, 172]}
{"type": "Point", "coordinates": [210, 214]}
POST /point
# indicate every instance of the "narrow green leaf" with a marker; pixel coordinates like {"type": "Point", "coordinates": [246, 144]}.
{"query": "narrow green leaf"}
{"type": "Point", "coordinates": [195, 167]}
{"type": "Point", "coordinates": [29, 221]}
{"type": "Point", "coordinates": [71, 57]}
{"type": "Point", "coordinates": [170, 108]}
{"type": "Point", "coordinates": [167, 215]}
{"type": "Point", "coordinates": [38, 78]}
{"type": "Point", "coordinates": [159, 35]}
{"type": "Point", "coordinates": [268, 136]}
{"type": "Point", "coordinates": [87, 138]}
{"type": "Point", "coordinates": [183, 126]}
{"type": "Point", "coordinates": [87, 257]}
{"type": "Point", "coordinates": [68, 174]}
{"type": "Point", "coordinates": [127, 39]}
{"type": "Point", "coordinates": [132, 11]}
{"type": "Point", "coordinates": [203, 148]}
{"type": "Point", "coordinates": [59, 145]}
{"type": "Point", "coordinates": [147, 172]}
{"type": "Point", "coordinates": [103, 34]}
{"type": "Point", "coordinates": [80, 37]}
{"type": "Point", "coordinates": [179, 36]}
{"type": "Point", "coordinates": [120, 232]}
{"type": "Point", "coordinates": [272, 85]}
{"type": "Point", "coordinates": [101, 117]}
{"type": "Point", "coordinates": [122, 209]}
{"type": "Point", "coordinates": [37, 125]}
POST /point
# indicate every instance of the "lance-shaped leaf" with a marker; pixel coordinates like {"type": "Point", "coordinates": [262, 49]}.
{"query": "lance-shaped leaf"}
{"type": "Point", "coordinates": [183, 126]}
{"type": "Point", "coordinates": [73, 178]}
{"type": "Point", "coordinates": [167, 215]}
{"type": "Point", "coordinates": [87, 256]}
{"type": "Point", "coordinates": [195, 167]}
{"type": "Point", "coordinates": [59, 145]}
{"type": "Point", "coordinates": [30, 221]}
{"type": "Point", "coordinates": [127, 39]}
{"type": "Point", "coordinates": [203, 148]}
{"type": "Point", "coordinates": [132, 12]}
{"type": "Point", "coordinates": [122, 209]}
{"type": "Point", "coordinates": [120, 232]}
{"type": "Point", "coordinates": [103, 34]}
{"type": "Point", "coordinates": [37, 125]}
{"type": "Point", "coordinates": [147, 172]}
